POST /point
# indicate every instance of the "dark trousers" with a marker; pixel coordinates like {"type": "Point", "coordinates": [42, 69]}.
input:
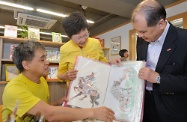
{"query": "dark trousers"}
{"type": "Point", "coordinates": [150, 111]}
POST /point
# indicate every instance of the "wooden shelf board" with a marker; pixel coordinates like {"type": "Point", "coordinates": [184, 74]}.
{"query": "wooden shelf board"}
{"type": "Point", "coordinates": [6, 60]}
{"type": "Point", "coordinates": [3, 82]}
{"type": "Point", "coordinates": [44, 42]}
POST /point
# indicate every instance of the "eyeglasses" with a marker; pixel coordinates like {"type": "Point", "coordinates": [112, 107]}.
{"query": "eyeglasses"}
{"type": "Point", "coordinates": [85, 36]}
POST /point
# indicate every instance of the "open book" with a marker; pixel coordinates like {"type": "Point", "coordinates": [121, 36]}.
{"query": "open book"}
{"type": "Point", "coordinates": [117, 87]}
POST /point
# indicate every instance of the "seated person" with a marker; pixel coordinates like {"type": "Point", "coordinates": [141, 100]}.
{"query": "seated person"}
{"type": "Point", "coordinates": [124, 54]}
{"type": "Point", "coordinates": [31, 89]}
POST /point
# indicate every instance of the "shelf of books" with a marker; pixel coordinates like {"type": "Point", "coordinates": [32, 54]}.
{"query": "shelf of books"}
{"type": "Point", "coordinates": [9, 70]}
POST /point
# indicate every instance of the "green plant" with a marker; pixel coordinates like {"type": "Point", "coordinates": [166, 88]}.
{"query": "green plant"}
{"type": "Point", "coordinates": [23, 33]}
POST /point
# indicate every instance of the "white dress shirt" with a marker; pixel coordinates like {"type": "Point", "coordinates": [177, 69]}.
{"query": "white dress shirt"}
{"type": "Point", "coordinates": [154, 49]}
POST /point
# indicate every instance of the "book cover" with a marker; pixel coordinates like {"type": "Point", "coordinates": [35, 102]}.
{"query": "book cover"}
{"type": "Point", "coordinates": [53, 55]}
{"type": "Point", "coordinates": [56, 37]}
{"type": "Point", "coordinates": [11, 71]}
{"type": "Point", "coordinates": [33, 33]}
{"type": "Point", "coordinates": [10, 31]}
{"type": "Point", "coordinates": [52, 75]}
{"type": "Point", "coordinates": [58, 56]}
{"type": "Point", "coordinates": [99, 84]}
{"type": "Point", "coordinates": [12, 46]}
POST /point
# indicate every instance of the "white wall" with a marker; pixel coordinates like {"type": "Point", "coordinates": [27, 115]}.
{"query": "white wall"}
{"type": "Point", "coordinates": [123, 31]}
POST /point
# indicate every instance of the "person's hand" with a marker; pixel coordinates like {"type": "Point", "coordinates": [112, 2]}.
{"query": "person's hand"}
{"type": "Point", "coordinates": [71, 74]}
{"type": "Point", "coordinates": [103, 113]}
{"type": "Point", "coordinates": [60, 101]}
{"type": "Point", "coordinates": [116, 61]}
{"type": "Point", "coordinates": [63, 99]}
{"type": "Point", "coordinates": [148, 74]}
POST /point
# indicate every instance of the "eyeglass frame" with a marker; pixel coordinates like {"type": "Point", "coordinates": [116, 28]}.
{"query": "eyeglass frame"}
{"type": "Point", "coordinates": [85, 36]}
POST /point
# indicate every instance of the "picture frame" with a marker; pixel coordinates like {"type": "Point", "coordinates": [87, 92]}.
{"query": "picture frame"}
{"type": "Point", "coordinates": [52, 75]}
{"type": "Point", "coordinates": [115, 45]}
{"type": "Point", "coordinates": [11, 71]}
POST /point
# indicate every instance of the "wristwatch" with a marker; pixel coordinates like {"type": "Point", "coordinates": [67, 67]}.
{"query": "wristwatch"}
{"type": "Point", "coordinates": [158, 79]}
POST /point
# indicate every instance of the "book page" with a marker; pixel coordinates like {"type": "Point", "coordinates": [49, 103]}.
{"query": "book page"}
{"type": "Point", "coordinates": [89, 88]}
{"type": "Point", "coordinates": [116, 87]}
{"type": "Point", "coordinates": [125, 92]}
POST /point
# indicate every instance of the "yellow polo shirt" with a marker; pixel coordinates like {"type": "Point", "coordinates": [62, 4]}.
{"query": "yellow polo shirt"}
{"type": "Point", "coordinates": [69, 51]}
{"type": "Point", "coordinates": [27, 92]}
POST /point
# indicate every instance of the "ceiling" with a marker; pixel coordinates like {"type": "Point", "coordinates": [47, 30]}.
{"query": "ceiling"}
{"type": "Point", "coordinates": [106, 14]}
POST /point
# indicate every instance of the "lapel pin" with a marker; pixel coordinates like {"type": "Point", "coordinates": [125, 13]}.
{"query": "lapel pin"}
{"type": "Point", "coordinates": [169, 49]}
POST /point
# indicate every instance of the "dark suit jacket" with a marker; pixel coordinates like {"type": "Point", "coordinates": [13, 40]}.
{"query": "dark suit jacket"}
{"type": "Point", "coordinates": [171, 95]}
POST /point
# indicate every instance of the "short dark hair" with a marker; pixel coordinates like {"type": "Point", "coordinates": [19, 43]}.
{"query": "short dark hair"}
{"type": "Point", "coordinates": [25, 52]}
{"type": "Point", "coordinates": [74, 23]}
{"type": "Point", "coordinates": [121, 52]}
{"type": "Point", "coordinates": [152, 10]}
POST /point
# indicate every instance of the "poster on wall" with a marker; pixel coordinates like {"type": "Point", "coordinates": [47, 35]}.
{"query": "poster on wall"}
{"type": "Point", "coordinates": [115, 45]}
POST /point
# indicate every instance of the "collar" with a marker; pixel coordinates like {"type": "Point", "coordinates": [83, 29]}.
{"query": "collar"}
{"type": "Point", "coordinates": [161, 39]}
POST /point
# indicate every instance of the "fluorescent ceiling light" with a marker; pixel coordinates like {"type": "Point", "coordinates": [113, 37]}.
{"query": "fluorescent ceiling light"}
{"type": "Point", "coordinates": [65, 36]}
{"type": "Point", "coordinates": [90, 21]}
{"type": "Point", "coordinates": [16, 5]}
{"type": "Point", "coordinates": [57, 14]}
{"type": "Point", "coordinates": [51, 12]}
{"type": "Point", "coordinates": [2, 27]}
{"type": "Point", "coordinates": [47, 33]}
{"type": "Point", "coordinates": [39, 10]}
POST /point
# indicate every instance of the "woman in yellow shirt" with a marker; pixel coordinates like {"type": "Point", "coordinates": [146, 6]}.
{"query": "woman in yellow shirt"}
{"type": "Point", "coordinates": [80, 44]}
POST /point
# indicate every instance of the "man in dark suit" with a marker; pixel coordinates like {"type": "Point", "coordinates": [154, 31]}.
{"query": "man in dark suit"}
{"type": "Point", "coordinates": [164, 48]}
